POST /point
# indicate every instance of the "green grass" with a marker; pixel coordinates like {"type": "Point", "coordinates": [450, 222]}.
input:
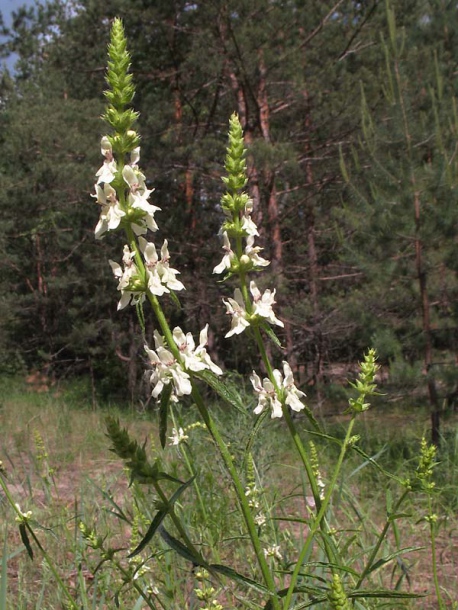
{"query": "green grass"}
{"type": "Point", "coordinates": [56, 455]}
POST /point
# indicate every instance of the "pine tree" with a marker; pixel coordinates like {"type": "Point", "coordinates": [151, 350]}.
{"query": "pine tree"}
{"type": "Point", "coordinates": [403, 210]}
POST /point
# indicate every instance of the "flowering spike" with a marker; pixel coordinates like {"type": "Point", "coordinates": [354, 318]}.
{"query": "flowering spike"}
{"type": "Point", "coordinates": [121, 91]}
{"type": "Point", "coordinates": [235, 159]}
{"type": "Point", "coordinates": [121, 189]}
{"type": "Point", "coordinates": [364, 385]}
{"type": "Point", "coordinates": [337, 597]}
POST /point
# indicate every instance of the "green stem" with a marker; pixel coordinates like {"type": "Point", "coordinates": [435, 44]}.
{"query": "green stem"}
{"type": "Point", "coordinates": [51, 566]}
{"type": "Point", "coordinates": [432, 530]}
{"type": "Point", "coordinates": [317, 522]}
{"type": "Point", "coordinates": [192, 472]}
{"type": "Point", "coordinates": [127, 578]}
{"type": "Point", "coordinates": [291, 427]}
{"type": "Point", "coordinates": [381, 538]}
{"type": "Point", "coordinates": [240, 492]}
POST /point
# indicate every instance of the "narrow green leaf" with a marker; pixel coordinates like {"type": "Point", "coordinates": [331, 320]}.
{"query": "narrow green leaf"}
{"type": "Point", "coordinates": [310, 590]}
{"type": "Point", "coordinates": [167, 477]}
{"type": "Point", "coordinates": [25, 539]}
{"type": "Point", "coordinates": [163, 413]}
{"type": "Point", "coordinates": [254, 432]}
{"type": "Point", "coordinates": [234, 575]}
{"type": "Point", "coordinates": [386, 594]}
{"type": "Point", "coordinates": [224, 389]}
{"type": "Point", "coordinates": [179, 491]}
{"type": "Point", "coordinates": [272, 336]}
{"type": "Point", "coordinates": [159, 518]}
{"type": "Point", "coordinates": [181, 549]}
{"type": "Point", "coordinates": [311, 417]}
{"type": "Point", "coordinates": [175, 299]}
{"type": "Point", "coordinates": [396, 516]}
{"type": "Point", "coordinates": [384, 560]}
{"type": "Point", "coordinates": [118, 512]}
{"type": "Point", "coordinates": [382, 594]}
{"type": "Point", "coordinates": [155, 523]}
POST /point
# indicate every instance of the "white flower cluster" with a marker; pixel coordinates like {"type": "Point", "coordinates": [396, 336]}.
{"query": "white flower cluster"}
{"type": "Point", "coordinates": [166, 369]}
{"type": "Point", "coordinates": [262, 304]}
{"type": "Point", "coordinates": [250, 257]}
{"type": "Point", "coordinates": [160, 277]}
{"type": "Point", "coordinates": [262, 308]}
{"type": "Point", "coordinates": [129, 282]}
{"type": "Point", "coordinates": [268, 395]}
{"type": "Point", "coordinates": [143, 269]}
{"type": "Point", "coordinates": [137, 209]}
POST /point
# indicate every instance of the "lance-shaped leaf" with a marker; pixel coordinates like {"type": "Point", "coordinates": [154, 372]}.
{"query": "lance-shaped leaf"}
{"type": "Point", "coordinates": [225, 390]}
{"type": "Point", "coordinates": [159, 518]}
{"type": "Point", "coordinates": [25, 539]}
{"type": "Point", "coordinates": [163, 413]}
{"type": "Point", "coordinates": [187, 553]}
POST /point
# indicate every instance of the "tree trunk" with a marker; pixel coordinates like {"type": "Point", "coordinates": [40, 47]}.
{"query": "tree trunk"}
{"type": "Point", "coordinates": [426, 322]}
{"type": "Point", "coordinates": [313, 261]}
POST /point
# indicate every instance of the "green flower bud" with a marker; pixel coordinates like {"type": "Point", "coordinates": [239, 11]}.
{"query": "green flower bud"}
{"type": "Point", "coordinates": [337, 596]}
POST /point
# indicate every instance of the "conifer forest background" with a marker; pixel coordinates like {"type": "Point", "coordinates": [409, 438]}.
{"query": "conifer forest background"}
{"type": "Point", "coordinates": [351, 124]}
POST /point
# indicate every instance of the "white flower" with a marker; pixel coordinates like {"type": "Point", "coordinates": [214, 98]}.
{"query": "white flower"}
{"type": "Point", "coordinates": [138, 196]}
{"type": "Point", "coordinates": [161, 277]}
{"type": "Point", "coordinates": [293, 395]}
{"type": "Point", "coordinates": [127, 278]}
{"type": "Point", "coordinates": [248, 225]}
{"type": "Point", "coordinates": [107, 172]}
{"type": "Point", "coordinates": [111, 213]}
{"type": "Point", "coordinates": [135, 157]}
{"type": "Point", "coordinates": [166, 370]}
{"type": "Point", "coordinates": [142, 570]}
{"type": "Point", "coordinates": [251, 252]}
{"type": "Point", "coordinates": [269, 397]}
{"type": "Point", "coordinates": [273, 551]}
{"type": "Point", "coordinates": [195, 359]}
{"type": "Point", "coordinates": [260, 519]}
{"type": "Point", "coordinates": [262, 308]}
{"type": "Point", "coordinates": [263, 304]}
{"type": "Point", "coordinates": [22, 517]}
{"type": "Point", "coordinates": [178, 436]}
{"type": "Point", "coordinates": [236, 308]}
{"type": "Point", "coordinates": [227, 258]}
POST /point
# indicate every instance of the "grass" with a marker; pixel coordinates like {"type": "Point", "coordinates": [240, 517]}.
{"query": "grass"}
{"type": "Point", "coordinates": [56, 456]}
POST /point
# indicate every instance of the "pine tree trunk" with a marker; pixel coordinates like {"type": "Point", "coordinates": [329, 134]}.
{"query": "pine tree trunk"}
{"type": "Point", "coordinates": [313, 262]}
{"type": "Point", "coordinates": [425, 307]}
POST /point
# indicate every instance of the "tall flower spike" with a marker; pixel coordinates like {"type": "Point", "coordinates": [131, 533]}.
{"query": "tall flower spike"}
{"type": "Point", "coordinates": [121, 190]}
{"type": "Point", "coordinates": [121, 91]}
